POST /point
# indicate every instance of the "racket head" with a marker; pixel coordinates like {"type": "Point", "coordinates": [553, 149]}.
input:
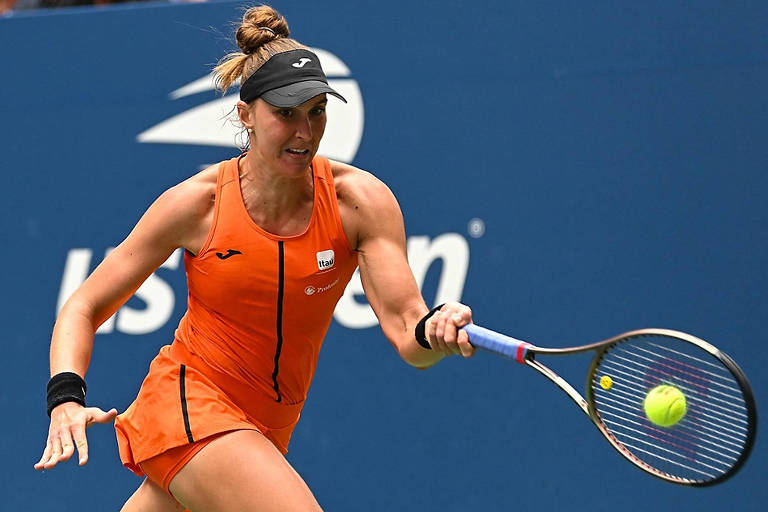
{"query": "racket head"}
{"type": "Point", "coordinates": [714, 438]}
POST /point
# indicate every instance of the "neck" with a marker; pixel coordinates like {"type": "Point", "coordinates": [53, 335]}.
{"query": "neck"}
{"type": "Point", "coordinates": [276, 202]}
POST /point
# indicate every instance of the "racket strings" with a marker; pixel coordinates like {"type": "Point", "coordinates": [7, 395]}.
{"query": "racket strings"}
{"type": "Point", "coordinates": [730, 403]}
{"type": "Point", "coordinates": [707, 442]}
{"type": "Point", "coordinates": [693, 380]}
{"type": "Point", "coordinates": [728, 414]}
{"type": "Point", "coordinates": [711, 433]}
{"type": "Point", "coordinates": [659, 452]}
{"type": "Point", "coordinates": [698, 373]}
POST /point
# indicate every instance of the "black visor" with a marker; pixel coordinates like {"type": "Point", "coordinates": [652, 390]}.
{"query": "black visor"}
{"type": "Point", "coordinates": [288, 79]}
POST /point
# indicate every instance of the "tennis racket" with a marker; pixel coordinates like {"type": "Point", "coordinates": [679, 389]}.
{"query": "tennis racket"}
{"type": "Point", "coordinates": [707, 446]}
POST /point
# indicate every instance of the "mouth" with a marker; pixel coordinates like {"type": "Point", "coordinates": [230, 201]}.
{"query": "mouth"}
{"type": "Point", "coordinates": [298, 152]}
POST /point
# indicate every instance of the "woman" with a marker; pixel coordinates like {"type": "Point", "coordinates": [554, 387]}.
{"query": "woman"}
{"type": "Point", "coordinates": [271, 238]}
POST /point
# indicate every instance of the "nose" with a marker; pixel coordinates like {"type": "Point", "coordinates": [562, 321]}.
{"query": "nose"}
{"type": "Point", "coordinates": [303, 128]}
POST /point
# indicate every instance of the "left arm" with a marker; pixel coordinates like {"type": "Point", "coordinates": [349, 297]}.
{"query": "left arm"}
{"type": "Point", "coordinates": [371, 211]}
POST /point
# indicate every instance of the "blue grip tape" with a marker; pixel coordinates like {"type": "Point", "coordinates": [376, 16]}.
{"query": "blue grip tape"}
{"type": "Point", "coordinates": [497, 342]}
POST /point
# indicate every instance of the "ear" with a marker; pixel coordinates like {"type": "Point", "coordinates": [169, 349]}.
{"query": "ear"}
{"type": "Point", "coordinates": [245, 114]}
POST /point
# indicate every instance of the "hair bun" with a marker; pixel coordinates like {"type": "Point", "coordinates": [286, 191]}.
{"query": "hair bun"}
{"type": "Point", "coordinates": [261, 25]}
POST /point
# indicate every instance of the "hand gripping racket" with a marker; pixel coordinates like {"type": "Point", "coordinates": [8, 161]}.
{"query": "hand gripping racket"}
{"type": "Point", "coordinates": [707, 446]}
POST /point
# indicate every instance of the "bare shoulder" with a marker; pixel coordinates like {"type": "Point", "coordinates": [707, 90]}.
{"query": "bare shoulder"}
{"type": "Point", "coordinates": [194, 196]}
{"type": "Point", "coordinates": [183, 214]}
{"type": "Point", "coordinates": [366, 204]}
{"type": "Point", "coordinates": [356, 187]}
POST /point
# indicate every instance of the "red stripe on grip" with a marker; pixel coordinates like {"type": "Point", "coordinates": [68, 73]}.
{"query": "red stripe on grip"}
{"type": "Point", "coordinates": [521, 352]}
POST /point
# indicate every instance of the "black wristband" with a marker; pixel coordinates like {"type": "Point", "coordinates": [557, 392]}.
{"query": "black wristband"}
{"type": "Point", "coordinates": [419, 330]}
{"type": "Point", "coordinates": [65, 387]}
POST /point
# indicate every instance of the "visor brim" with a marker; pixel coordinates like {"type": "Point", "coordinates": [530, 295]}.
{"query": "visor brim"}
{"type": "Point", "coordinates": [295, 94]}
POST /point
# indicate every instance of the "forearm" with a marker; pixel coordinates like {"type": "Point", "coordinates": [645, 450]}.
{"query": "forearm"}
{"type": "Point", "coordinates": [417, 356]}
{"type": "Point", "coordinates": [440, 330]}
{"type": "Point", "coordinates": [72, 340]}
{"type": "Point", "coordinates": [400, 331]}
{"type": "Point", "coordinates": [71, 346]}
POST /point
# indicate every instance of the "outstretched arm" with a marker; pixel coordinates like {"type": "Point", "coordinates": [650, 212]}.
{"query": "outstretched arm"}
{"type": "Point", "coordinates": [172, 221]}
{"type": "Point", "coordinates": [389, 283]}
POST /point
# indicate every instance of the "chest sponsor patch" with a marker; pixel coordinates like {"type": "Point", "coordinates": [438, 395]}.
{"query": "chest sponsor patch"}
{"type": "Point", "coordinates": [311, 290]}
{"type": "Point", "coordinates": [325, 259]}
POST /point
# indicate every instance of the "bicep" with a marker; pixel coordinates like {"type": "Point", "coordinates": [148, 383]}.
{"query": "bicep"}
{"type": "Point", "coordinates": [386, 276]}
{"type": "Point", "coordinates": [124, 269]}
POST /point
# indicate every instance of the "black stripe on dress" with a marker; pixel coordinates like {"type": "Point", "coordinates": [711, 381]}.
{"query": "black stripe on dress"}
{"type": "Point", "coordinates": [183, 394]}
{"type": "Point", "coordinates": [279, 326]}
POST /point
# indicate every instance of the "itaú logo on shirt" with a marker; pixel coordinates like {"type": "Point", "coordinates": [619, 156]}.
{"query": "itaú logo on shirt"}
{"type": "Point", "coordinates": [325, 259]}
{"type": "Point", "coordinates": [208, 124]}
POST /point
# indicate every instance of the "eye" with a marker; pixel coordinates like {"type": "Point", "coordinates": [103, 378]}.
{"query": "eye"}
{"type": "Point", "coordinates": [318, 111]}
{"type": "Point", "coordinates": [285, 112]}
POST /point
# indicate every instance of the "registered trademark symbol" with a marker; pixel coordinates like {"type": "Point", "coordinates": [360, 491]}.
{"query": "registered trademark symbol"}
{"type": "Point", "coordinates": [476, 228]}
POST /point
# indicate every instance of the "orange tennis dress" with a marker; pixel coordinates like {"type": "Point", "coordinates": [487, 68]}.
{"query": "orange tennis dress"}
{"type": "Point", "coordinates": [245, 352]}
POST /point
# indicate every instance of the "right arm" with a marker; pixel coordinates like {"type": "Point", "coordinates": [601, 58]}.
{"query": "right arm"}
{"type": "Point", "coordinates": [178, 218]}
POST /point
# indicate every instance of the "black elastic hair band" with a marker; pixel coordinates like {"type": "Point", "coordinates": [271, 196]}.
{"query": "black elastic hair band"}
{"type": "Point", "coordinates": [419, 330]}
{"type": "Point", "coordinates": [65, 387]}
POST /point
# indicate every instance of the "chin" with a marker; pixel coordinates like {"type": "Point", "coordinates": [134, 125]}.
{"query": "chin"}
{"type": "Point", "coordinates": [297, 168]}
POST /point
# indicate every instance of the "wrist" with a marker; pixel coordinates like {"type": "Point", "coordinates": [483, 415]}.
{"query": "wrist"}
{"type": "Point", "coordinates": [65, 387]}
{"type": "Point", "coordinates": [420, 330]}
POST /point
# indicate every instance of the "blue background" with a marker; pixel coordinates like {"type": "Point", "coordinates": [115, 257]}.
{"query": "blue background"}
{"type": "Point", "coordinates": [616, 152]}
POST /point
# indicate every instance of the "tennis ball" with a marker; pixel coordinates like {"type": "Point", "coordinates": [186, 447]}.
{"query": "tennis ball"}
{"type": "Point", "coordinates": [606, 382]}
{"type": "Point", "coordinates": [665, 405]}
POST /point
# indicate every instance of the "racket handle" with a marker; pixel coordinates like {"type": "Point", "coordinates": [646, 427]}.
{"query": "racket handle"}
{"type": "Point", "coordinates": [497, 342]}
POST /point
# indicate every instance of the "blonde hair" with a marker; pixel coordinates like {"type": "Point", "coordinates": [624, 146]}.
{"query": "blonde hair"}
{"type": "Point", "coordinates": [262, 34]}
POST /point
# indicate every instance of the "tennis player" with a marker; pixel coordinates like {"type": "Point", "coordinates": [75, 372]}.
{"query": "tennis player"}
{"type": "Point", "coordinates": [271, 239]}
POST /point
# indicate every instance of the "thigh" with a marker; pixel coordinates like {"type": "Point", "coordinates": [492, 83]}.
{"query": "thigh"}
{"type": "Point", "coordinates": [150, 497]}
{"type": "Point", "coordinates": [241, 470]}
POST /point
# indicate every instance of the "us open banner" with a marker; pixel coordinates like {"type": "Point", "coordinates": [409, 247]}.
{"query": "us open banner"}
{"type": "Point", "coordinates": [569, 172]}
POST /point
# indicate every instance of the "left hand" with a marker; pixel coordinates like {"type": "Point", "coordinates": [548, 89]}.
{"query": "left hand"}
{"type": "Point", "coordinates": [444, 333]}
{"type": "Point", "coordinates": [67, 432]}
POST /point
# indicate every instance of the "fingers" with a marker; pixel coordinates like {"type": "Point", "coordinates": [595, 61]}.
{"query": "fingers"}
{"type": "Point", "coordinates": [60, 447]}
{"type": "Point", "coordinates": [67, 445]}
{"type": "Point", "coordinates": [67, 433]}
{"type": "Point", "coordinates": [96, 415]}
{"type": "Point", "coordinates": [52, 453]}
{"type": "Point", "coordinates": [465, 347]}
{"type": "Point", "coordinates": [444, 330]}
{"type": "Point", "coordinates": [431, 333]}
{"type": "Point", "coordinates": [46, 455]}
{"type": "Point", "coordinates": [81, 442]}
{"type": "Point", "coordinates": [55, 453]}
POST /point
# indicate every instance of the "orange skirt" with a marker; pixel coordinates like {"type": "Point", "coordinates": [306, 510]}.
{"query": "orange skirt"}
{"type": "Point", "coordinates": [183, 400]}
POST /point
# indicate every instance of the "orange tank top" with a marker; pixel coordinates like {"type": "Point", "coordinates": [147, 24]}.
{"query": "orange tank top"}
{"type": "Point", "coordinates": [260, 304]}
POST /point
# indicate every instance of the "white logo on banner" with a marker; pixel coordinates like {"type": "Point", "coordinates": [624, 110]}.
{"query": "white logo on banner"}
{"type": "Point", "coordinates": [352, 311]}
{"type": "Point", "coordinates": [210, 124]}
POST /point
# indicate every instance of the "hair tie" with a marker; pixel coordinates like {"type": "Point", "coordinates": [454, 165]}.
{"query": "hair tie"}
{"type": "Point", "coordinates": [267, 29]}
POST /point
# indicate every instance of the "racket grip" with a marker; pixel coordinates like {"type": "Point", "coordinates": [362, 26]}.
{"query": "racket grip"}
{"type": "Point", "coordinates": [497, 342]}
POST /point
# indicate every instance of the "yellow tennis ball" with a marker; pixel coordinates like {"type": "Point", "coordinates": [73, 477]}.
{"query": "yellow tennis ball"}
{"type": "Point", "coordinates": [665, 405]}
{"type": "Point", "coordinates": [606, 382]}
